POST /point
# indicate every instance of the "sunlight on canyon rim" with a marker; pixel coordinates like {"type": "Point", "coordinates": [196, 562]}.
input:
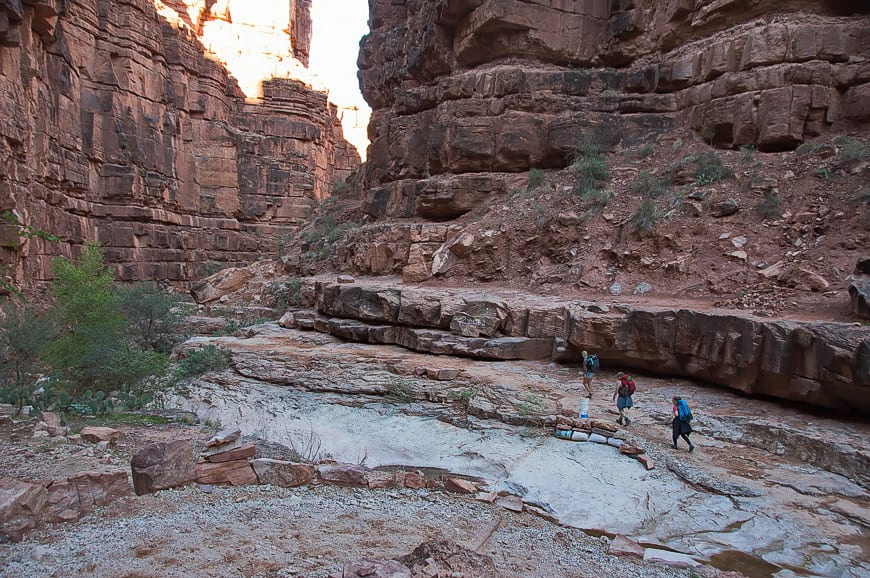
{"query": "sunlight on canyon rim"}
{"type": "Point", "coordinates": [255, 42]}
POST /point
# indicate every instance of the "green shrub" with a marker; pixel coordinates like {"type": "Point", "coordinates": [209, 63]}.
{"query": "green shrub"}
{"type": "Point", "coordinates": [646, 217]}
{"type": "Point", "coordinates": [340, 186]}
{"type": "Point", "coordinates": [649, 186]}
{"type": "Point", "coordinates": [463, 397]}
{"type": "Point", "coordinates": [770, 208]}
{"type": "Point", "coordinates": [646, 151]}
{"type": "Point", "coordinates": [597, 198]}
{"type": "Point", "coordinates": [84, 355]}
{"type": "Point", "coordinates": [851, 151]}
{"type": "Point", "coordinates": [823, 172]}
{"type": "Point", "coordinates": [400, 389]}
{"type": "Point", "coordinates": [591, 170]}
{"type": "Point", "coordinates": [212, 267]}
{"type": "Point", "coordinates": [93, 350]}
{"type": "Point", "coordinates": [284, 294]}
{"type": "Point", "coordinates": [746, 154]}
{"type": "Point", "coordinates": [154, 316]}
{"type": "Point", "coordinates": [203, 360]}
{"type": "Point", "coordinates": [710, 169]}
{"type": "Point", "coordinates": [808, 148]}
{"type": "Point", "coordinates": [319, 241]}
{"type": "Point", "coordinates": [24, 337]}
{"type": "Point", "coordinates": [234, 324]}
{"type": "Point", "coordinates": [91, 323]}
{"type": "Point", "coordinates": [536, 177]}
{"type": "Point", "coordinates": [532, 405]}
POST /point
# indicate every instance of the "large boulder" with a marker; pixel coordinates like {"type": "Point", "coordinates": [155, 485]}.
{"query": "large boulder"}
{"type": "Point", "coordinates": [222, 283]}
{"type": "Point", "coordinates": [21, 506]}
{"type": "Point", "coordinates": [69, 500]}
{"type": "Point", "coordinates": [163, 465]}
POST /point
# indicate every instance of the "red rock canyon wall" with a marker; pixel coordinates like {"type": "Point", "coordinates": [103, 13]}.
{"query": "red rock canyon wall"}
{"type": "Point", "coordinates": [465, 92]}
{"type": "Point", "coordinates": [119, 125]}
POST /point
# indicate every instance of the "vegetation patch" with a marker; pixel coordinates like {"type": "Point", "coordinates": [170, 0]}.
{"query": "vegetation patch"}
{"type": "Point", "coordinates": [650, 186]}
{"type": "Point", "coordinates": [531, 406]}
{"type": "Point", "coordinates": [710, 169]}
{"type": "Point", "coordinates": [400, 389]}
{"type": "Point", "coordinates": [95, 348]}
{"type": "Point", "coordinates": [646, 150]}
{"type": "Point", "coordinates": [203, 360]}
{"type": "Point", "coordinates": [591, 173]}
{"type": "Point", "coordinates": [851, 151]}
{"type": "Point", "coordinates": [463, 397]}
{"type": "Point", "coordinates": [770, 208]}
{"type": "Point", "coordinates": [646, 217]}
{"type": "Point", "coordinates": [284, 294]}
{"type": "Point", "coordinates": [536, 178]}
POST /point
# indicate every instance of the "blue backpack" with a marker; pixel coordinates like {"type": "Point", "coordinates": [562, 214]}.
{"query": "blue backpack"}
{"type": "Point", "coordinates": [592, 363]}
{"type": "Point", "coordinates": [683, 411]}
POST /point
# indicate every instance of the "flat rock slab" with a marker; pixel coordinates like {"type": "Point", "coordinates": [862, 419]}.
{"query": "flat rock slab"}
{"type": "Point", "coordinates": [512, 503]}
{"type": "Point", "coordinates": [224, 437]}
{"type": "Point", "coordinates": [96, 435]}
{"type": "Point", "coordinates": [623, 546]}
{"type": "Point", "coordinates": [282, 473]}
{"type": "Point", "coordinates": [240, 453]}
{"type": "Point", "coordinates": [669, 558]}
{"type": "Point", "coordinates": [342, 474]}
{"type": "Point", "coordinates": [237, 473]}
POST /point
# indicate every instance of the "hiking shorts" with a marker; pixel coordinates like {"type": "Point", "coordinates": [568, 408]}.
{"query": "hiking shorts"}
{"type": "Point", "coordinates": [623, 402]}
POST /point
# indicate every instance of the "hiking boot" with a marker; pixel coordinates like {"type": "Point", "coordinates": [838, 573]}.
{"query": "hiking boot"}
{"type": "Point", "coordinates": [627, 421]}
{"type": "Point", "coordinates": [691, 448]}
{"type": "Point", "coordinates": [619, 420]}
{"type": "Point", "coordinates": [675, 445]}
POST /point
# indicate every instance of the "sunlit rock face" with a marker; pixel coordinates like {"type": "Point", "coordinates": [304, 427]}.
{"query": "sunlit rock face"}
{"type": "Point", "coordinates": [120, 126]}
{"type": "Point", "coordinates": [254, 40]}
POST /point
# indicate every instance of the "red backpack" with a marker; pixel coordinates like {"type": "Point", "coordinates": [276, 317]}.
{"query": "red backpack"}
{"type": "Point", "coordinates": [627, 385]}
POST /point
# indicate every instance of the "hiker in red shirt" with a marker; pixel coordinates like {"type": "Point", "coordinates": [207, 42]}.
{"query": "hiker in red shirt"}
{"type": "Point", "coordinates": [625, 388]}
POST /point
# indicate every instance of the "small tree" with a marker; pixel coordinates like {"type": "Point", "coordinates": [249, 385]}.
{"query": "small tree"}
{"type": "Point", "coordinates": [93, 353]}
{"type": "Point", "coordinates": [23, 338]}
{"type": "Point", "coordinates": [154, 316]}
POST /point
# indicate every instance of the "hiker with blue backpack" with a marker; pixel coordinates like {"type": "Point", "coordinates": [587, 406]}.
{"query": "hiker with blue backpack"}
{"type": "Point", "coordinates": [587, 370]}
{"type": "Point", "coordinates": [682, 422]}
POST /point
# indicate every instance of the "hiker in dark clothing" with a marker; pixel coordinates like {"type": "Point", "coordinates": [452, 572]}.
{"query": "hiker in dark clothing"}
{"type": "Point", "coordinates": [681, 424]}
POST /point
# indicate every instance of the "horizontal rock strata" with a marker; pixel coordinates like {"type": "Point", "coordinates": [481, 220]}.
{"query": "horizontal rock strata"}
{"type": "Point", "coordinates": [466, 92]}
{"type": "Point", "coordinates": [819, 363]}
{"type": "Point", "coordinates": [119, 127]}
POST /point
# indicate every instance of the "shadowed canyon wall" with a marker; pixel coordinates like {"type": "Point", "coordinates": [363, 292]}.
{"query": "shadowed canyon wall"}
{"type": "Point", "coordinates": [466, 92]}
{"type": "Point", "coordinates": [119, 125]}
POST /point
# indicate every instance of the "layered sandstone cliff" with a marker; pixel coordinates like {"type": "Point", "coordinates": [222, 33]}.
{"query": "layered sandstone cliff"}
{"type": "Point", "coordinates": [493, 87]}
{"type": "Point", "coordinates": [120, 125]}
